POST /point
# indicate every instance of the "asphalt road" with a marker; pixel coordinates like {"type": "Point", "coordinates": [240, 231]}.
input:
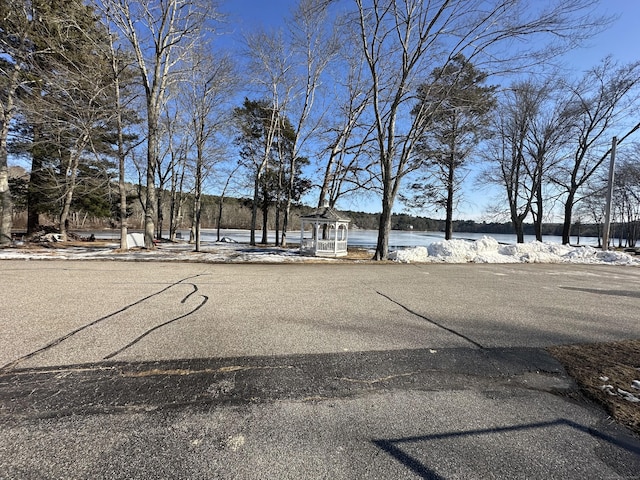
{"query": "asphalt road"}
{"type": "Point", "coordinates": [168, 370]}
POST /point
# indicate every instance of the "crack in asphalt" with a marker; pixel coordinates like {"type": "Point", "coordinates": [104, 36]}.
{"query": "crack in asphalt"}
{"type": "Point", "coordinates": [183, 371]}
{"type": "Point", "coordinates": [433, 322]}
{"type": "Point", "coordinates": [9, 366]}
{"type": "Point", "coordinates": [378, 380]}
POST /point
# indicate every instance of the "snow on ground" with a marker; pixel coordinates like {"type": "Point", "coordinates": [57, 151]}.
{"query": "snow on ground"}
{"type": "Point", "coordinates": [484, 250]}
{"type": "Point", "coordinates": [218, 252]}
{"type": "Point", "coordinates": [488, 250]}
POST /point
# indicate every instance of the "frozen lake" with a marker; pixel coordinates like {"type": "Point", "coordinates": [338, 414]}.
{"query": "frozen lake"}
{"type": "Point", "coordinates": [363, 238]}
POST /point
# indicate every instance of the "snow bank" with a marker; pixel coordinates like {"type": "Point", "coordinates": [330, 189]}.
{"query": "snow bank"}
{"type": "Point", "coordinates": [488, 250]}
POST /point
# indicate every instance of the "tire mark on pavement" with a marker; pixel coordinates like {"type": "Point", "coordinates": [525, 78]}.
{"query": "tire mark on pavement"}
{"type": "Point", "coordinates": [9, 366]}
{"type": "Point", "coordinates": [151, 330]}
{"type": "Point", "coordinates": [433, 322]}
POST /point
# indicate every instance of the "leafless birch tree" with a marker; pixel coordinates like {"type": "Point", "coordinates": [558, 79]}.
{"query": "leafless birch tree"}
{"type": "Point", "coordinates": [268, 69]}
{"type": "Point", "coordinates": [121, 75]}
{"type": "Point", "coordinates": [207, 90]}
{"type": "Point", "coordinates": [345, 131]}
{"type": "Point", "coordinates": [160, 33]}
{"type": "Point", "coordinates": [314, 45]}
{"type": "Point", "coordinates": [287, 66]}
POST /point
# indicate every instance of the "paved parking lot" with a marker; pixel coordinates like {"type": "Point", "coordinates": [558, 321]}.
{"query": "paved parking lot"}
{"type": "Point", "coordinates": [131, 370]}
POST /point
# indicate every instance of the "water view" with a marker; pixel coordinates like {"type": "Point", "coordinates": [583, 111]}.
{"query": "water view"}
{"type": "Point", "coordinates": [365, 238]}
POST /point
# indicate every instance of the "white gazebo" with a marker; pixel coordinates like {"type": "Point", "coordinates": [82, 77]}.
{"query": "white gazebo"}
{"type": "Point", "coordinates": [329, 233]}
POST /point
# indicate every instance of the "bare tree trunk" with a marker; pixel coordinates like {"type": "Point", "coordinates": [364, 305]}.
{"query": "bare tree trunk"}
{"type": "Point", "coordinates": [6, 205]}
{"type": "Point", "coordinates": [173, 206]}
{"type": "Point", "coordinates": [36, 184]}
{"type": "Point", "coordinates": [254, 210]}
{"type": "Point", "coordinates": [287, 208]}
{"type": "Point", "coordinates": [448, 231]}
{"type": "Point", "coordinates": [122, 187]}
{"type": "Point", "coordinates": [265, 217]}
{"type": "Point", "coordinates": [219, 220]}
{"type": "Point", "coordinates": [6, 208]}
{"type": "Point", "coordinates": [324, 188]}
{"type": "Point", "coordinates": [151, 197]}
{"type": "Point", "coordinates": [64, 216]}
{"type": "Point", "coordinates": [384, 229]}
{"type": "Point", "coordinates": [568, 212]}
{"type": "Point", "coordinates": [70, 185]}
{"type": "Point", "coordinates": [160, 217]}
{"type": "Point", "coordinates": [279, 209]}
{"type": "Point", "coordinates": [198, 195]}
{"type": "Point", "coordinates": [519, 228]}
{"type": "Point", "coordinates": [537, 219]}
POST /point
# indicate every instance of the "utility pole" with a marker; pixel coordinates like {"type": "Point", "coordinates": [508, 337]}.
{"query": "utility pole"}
{"type": "Point", "coordinates": [607, 212]}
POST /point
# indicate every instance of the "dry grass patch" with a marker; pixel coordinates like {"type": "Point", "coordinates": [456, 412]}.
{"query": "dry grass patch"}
{"type": "Point", "coordinates": [355, 253]}
{"type": "Point", "coordinates": [603, 370]}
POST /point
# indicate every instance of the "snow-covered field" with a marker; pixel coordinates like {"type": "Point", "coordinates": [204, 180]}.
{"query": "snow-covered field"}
{"type": "Point", "coordinates": [484, 250]}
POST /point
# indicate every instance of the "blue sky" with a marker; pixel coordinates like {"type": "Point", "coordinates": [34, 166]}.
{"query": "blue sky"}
{"type": "Point", "coordinates": [247, 14]}
{"type": "Point", "coordinates": [621, 40]}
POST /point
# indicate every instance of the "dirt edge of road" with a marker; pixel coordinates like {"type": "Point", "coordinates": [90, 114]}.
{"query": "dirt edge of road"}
{"type": "Point", "coordinates": [608, 373]}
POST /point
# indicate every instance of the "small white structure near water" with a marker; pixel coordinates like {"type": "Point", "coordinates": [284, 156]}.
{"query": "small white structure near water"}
{"type": "Point", "coordinates": [135, 240]}
{"type": "Point", "coordinates": [329, 233]}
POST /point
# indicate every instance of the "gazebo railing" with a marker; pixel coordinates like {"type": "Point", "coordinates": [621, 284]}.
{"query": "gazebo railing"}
{"type": "Point", "coordinates": [323, 246]}
{"type": "Point", "coordinates": [307, 244]}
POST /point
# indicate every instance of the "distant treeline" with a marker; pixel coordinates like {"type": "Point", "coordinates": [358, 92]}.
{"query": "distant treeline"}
{"type": "Point", "coordinates": [236, 213]}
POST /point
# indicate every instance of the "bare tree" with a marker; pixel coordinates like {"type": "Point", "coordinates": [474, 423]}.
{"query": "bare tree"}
{"type": "Point", "coordinates": [121, 77]}
{"type": "Point", "coordinates": [160, 33]}
{"type": "Point", "coordinates": [313, 45]}
{"type": "Point", "coordinates": [345, 134]}
{"type": "Point", "coordinates": [592, 205]}
{"type": "Point", "coordinates": [401, 38]}
{"type": "Point", "coordinates": [546, 141]}
{"type": "Point", "coordinates": [209, 86]}
{"type": "Point", "coordinates": [530, 132]}
{"type": "Point", "coordinates": [174, 167]}
{"type": "Point", "coordinates": [627, 198]}
{"type": "Point", "coordinates": [268, 69]}
{"type": "Point", "coordinates": [287, 67]}
{"type": "Point", "coordinates": [599, 105]}
{"type": "Point", "coordinates": [513, 169]}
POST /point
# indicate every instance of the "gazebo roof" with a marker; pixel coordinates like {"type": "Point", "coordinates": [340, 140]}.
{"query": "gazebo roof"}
{"type": "Point", "coordinates": [326, 214]}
